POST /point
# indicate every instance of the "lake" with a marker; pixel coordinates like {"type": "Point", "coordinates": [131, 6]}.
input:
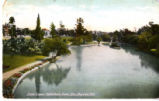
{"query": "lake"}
{"type": "Point", "coordinates": [93, 71]}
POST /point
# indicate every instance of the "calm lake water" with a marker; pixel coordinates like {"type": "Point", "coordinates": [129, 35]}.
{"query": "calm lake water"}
{"type": "Point", "coordinates": [95, 72]}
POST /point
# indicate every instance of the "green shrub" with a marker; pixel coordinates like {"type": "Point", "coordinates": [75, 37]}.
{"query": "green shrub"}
{"type": "Point", "coordinates": [106, 37]}
{"type": "Point", "coordinates": [153, 42]}
{"type": "Point", "coordinates": [77, 41]}
{"type": "Point", "coordinates": [55, 45]}
{"type": "Point", "coordinates": [22, 46]}
{"type": "Point", "coordinates": [143, 40]}
{"type": "Point", "coordinates": [99, 39]}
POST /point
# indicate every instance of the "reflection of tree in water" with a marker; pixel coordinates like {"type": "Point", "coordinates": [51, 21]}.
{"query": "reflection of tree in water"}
{"type": "Point", "coordinates": [50, 76]}
{"type": "Point", "coordinates": [37, 82]}
{"type": "Point", "coordinates": [37, 76]}
{"type": "Point", "coordinates": [156, 95]}
{"type": "Point", "coordinates": [147, 60]}
{"type": "Point", "coordinates": [56, 75]}
{"type": "Point", "coordinates": [78, 51]}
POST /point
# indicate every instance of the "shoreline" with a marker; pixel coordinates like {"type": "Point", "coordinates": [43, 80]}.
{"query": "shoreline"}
{"type": "Point", "coordinates": [25, 74]}
{"type": "Point", "coordinates": [12, 78]}
{"type": "Point", "coordinates": [8, 74]}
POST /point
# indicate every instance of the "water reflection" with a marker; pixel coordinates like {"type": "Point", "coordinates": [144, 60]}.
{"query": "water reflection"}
{"type": "Point", "coordinates": [156, 95]}
{"type": "Point", "coordinates": [146, 59]}
{"type": "Point", "coordinates": [37, 82]}
{"type": "Point", "coordinates": [55, 76]}
{"type": "Point", "coordinates": [78, 51]}
{"type": "Point", "coordinates": [50, 76]}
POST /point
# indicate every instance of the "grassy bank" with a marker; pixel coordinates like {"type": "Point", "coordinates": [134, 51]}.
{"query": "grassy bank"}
{"type": "Point", "coordinates": [18, 60]}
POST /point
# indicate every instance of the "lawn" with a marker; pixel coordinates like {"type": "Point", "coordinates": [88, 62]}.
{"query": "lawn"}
{"type": "Point", "coordinates": [18, 60]}
{"type": "Point", "coordinates": [92, 42]}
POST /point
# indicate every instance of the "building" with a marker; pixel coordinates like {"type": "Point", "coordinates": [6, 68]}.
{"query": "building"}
{"type": "Point", "coordinates": [46, 33]}
{"type": "Point", "coordinates": [6, 29]}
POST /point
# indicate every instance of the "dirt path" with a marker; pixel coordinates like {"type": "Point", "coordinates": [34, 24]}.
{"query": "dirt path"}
{"type": "Point", "coordinates": [8, 74]}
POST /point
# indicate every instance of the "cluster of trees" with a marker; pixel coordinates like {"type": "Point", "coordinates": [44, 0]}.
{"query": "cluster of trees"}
{"type": "Point", "coordinates": [13, 31]}
{"type": "Point", "coordinates": [53, 44]}
{"type": "Point", "coordinates": [79, 36]}
{"type": "Point", "coordinates": [106, 37]}
{"type": "Point", "coordinates": [62, 31]}
{"type": "Point", "coordinates": [24, 31]}
{"type": "Point", "coordinates": [23, 46]}
{"type": "Point", "coordinates": [146, 38]}
{"type": "Point", "coordinates": [36, 45]}
{"type": "Point", "coordinates": [82, 35]}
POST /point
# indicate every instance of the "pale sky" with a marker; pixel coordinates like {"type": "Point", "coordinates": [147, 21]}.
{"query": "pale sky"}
{"type": "Point", "coordinates": [101, 15]}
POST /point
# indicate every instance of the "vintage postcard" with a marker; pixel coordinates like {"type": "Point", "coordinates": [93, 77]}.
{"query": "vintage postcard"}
{"type": "Point", "coordinates": [80, 49]}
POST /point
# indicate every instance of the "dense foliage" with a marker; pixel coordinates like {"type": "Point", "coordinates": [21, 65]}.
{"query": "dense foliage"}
{"type": "Point", "coordinates": [55, 45]}
{"type": "Point", "coordinates": [81, 39]}
{"type": "Point", "coordinates": [105, 37]}
{"type": "Point", "coordinates": [146, 38]}
{"type": "Point", "coordinates": [22, 46]}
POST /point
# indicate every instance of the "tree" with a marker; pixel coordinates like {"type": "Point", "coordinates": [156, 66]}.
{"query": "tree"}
{"type": "Point", "coordinates": [99, 39]}
{"type": "Point", "coordinates": [105, 37]}
{"type": "Point", "coordinates": [26, 31]}
{"type": "Point", "coordinates": [81, 34]}
{"type": "Point", "coordinates": [53, 31]}
{"type": "Point", "coordinates": [11, 20]}
{"type": "Point", "coordinates": [62, 26]}
{"type": "Point", "coordinates": [143, 29]}
{"type": "Point", "coordinates": [155, 29]}
{"type": "Point", "coordinates": [38, 33]}
{"type": "Point", "coordinates": [94, 36]}
{"type": "Point", "coordinates": [12, 29]}
{"type": "Point", "coordinates": [55, 45]}
{"type": "Point", "coordinates": [88, 36]}
{"type": "Point", "coordinates": [154, 41]}
{"type": "Point", "coordinates": [62, 30]}
{"type": "Point", "coordinates": [143, 41]}
{"type": "Point", "coordinates": [128, 36]}
{"type": "Point", "coordinates": [71, 32]}
{"type": "Point", "coordinates": [80, 30]}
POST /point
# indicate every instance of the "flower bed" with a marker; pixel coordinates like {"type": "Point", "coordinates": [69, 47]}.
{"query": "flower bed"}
{"type": "Point", "coordinates": [25, 70]}
{"type": "Point", "coordinates": [8, 83]}
{"type": "Point", "coordinates": [8, 86]}
{"type": "Point", "coordinates": [17, 75]}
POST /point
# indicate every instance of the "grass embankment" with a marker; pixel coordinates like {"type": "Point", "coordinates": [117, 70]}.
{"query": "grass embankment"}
{"type": "Point", "coordinates": [92, 42]}
{"type": "Point", "coordinates": [18, 60]}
